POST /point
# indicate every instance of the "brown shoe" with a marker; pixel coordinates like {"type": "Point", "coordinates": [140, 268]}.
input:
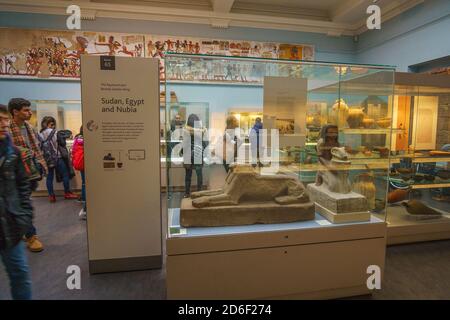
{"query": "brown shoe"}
{"type": "Point", "coordinates": [34, 245]}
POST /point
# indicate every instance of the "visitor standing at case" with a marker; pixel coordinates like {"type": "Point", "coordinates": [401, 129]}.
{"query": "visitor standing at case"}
{"type": "Point", "coordinates": [24, 136]}
{"type": "Point", "coordinates": [59, 165]}
{"type": "Point", "coordinates": [231, 142]}
{"type": "Point", "coordinates": [15, 212]}
{"type": "Point", "coordinates": [78, 164]}
{"type": "Point", "coordinates": [193, 146]}
{"type": "Point", "coordinates": [255, 142]}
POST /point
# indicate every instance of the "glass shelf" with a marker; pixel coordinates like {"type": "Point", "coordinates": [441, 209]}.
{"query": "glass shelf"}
{"type": "Point", "coordinates": [370, 131]}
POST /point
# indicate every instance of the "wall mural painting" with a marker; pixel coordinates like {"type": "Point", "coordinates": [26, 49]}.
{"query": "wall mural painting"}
{"type": "Point", "coordinates": [56, 54]}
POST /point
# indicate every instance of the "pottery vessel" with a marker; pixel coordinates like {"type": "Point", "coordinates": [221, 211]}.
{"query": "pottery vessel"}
{"type": "Point", "coordinates": [384, 152]}
{"type": "Point", "coordinates": [398, 195]}
{"type": "Point", "coordinates": [384, 123]}
{"type": "Point", "coordinates": [368, 123]}
{"type": "Point", "coordinates": [355, 117]}
{"type": "Point", "coordinates": [416, 207]}
{"type": "Point", "coordinates": [339, 113]}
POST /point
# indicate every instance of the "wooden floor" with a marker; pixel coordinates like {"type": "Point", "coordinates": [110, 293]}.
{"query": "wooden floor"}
{"type": "Point", "coordinates": [415, 271]}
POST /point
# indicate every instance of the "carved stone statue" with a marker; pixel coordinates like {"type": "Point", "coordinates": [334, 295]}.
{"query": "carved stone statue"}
{"type": "Point", "coordinates": [334, 159]}
{"type": "Point", "coordinates": [244, 184]}
{"type": "Point", "coordinates": [248, 197]}
{"type": "Point", "coordinates": [332, 192]}
{"type": "Point", "coordinates": [335, 177]}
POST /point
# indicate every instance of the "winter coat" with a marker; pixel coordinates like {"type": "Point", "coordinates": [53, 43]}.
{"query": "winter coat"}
{"type": "Point", "coordinates": [78, 153]}
{"type": "Point", "coordinates": [194, 145]}
{"type": "Point", "coordinates": [15, 205]}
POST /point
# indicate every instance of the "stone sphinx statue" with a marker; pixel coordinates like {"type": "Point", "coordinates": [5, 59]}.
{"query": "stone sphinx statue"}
{"type": "Point", "coordinates": [244, 184]}
{"type": "Point", "coordinates": [332, 191]}
{"type": "Point", "coordinates": [248, 197]}
{"type": "Point", "coordinates": [335, 177]}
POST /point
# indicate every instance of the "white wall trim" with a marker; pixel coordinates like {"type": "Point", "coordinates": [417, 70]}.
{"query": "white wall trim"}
{"type": "Point", "coordinates": [219, 18]}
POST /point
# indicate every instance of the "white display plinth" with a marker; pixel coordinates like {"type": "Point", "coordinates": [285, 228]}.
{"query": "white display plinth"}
{"type": "Point", "coordinates": [310, 259]}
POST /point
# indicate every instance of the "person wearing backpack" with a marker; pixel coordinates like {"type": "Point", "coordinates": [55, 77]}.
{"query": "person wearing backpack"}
{"type": "Point", "coordinates": [78, 164]}
{"type": "Point", "coordinates": [54, 158]}
{"type": "Point", "coordinates": [16, 213]}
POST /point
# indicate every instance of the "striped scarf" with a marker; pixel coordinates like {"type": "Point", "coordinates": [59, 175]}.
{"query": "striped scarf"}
{"type": "Point", "coordinates": [19, 141]}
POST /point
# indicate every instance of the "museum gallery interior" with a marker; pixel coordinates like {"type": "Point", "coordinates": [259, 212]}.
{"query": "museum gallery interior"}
{"type": "Point", "coordinates": [238, 149]}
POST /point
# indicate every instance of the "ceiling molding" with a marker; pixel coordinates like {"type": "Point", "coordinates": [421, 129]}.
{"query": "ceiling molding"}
{"type": "Point", "coordinates": [278, 10]}
{"type": "Point", "coordinates": [345, 7]}
{"type": "Point", "coordinates": [223, 6]}
{"type": "Point", "coordinates": [218, 19]}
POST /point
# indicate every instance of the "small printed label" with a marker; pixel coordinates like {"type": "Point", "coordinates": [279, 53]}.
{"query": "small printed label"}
{"type": "Point", "coordinates": [323, 222]}
{"type": "Point", "coordinates": [107, 63]}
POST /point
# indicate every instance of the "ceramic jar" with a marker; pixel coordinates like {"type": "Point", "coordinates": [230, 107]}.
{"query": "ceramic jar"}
{"type": "Point", "coordinates": [355, 117]}
{"type": "Point", "coordinates": [339, 113]}
{"type": "Point", "coordinates": [368, 123]}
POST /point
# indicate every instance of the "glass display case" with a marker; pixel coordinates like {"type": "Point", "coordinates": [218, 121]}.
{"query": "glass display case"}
{"type": "Point", "coordinates": [287, 170]}
{"type": "Point", "coordinates": [419, 179]}
{"type": "Point", "coordinates": [323, 127]}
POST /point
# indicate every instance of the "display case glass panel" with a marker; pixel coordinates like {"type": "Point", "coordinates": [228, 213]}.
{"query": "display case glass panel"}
{"type": "Point", "coordinates": [269, 153]}
{"type": "Point", "coordinates": [419, 180]}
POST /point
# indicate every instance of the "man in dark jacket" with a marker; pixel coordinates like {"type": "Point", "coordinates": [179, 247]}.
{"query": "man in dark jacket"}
{"type": "Point", "coordinates": [15, 212]}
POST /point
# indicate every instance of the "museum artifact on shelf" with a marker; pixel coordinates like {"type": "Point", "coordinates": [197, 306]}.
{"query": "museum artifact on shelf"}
{"type": "Point", "coordinates": [252, 213]}
{"type": "Point", "coordinates": [420, 159]}
{"type": "Point", "coordinates": [332, 192]}
{"type": "Point", "coordinates": [248, 197]}
{"type": "Point", "coordinates": [419, 211]}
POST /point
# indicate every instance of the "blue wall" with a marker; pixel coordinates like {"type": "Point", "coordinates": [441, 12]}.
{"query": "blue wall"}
{"type": "Point", "coordinates": [418, 35]}
{"type": "Point", "coordinates": [338, 49]}
{"type": "Point", "coordinates": [327, 48]}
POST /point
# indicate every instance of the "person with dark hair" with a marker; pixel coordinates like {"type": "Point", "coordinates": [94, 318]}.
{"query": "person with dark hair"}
{"type": "Point", "coordinates": [193, 152]}
{"type": "Point", "coordinates": [15, 212]}
{"type": "Point", "coordinates": [328, 139]}
{"type": "Point", "coordinates": [50, 137]}
{"type": "Point", "coordinates": [231, 142]}
{"type": "Point", "coordinates": [255, 142]}
{"type": "Point", "coordinates": [25, 138]}
{"type": "Point", "coordinates": [176, 123]}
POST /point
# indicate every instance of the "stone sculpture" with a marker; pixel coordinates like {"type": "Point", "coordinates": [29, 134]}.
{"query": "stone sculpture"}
{"type": "Point", "coordinates": [243, 183]}
{"type": "Point", "coordinates": [335, 177]}
{"type": "Point", "coordinates": [332, 192]}
{"type": "Point", "coordinates": [248, 197]}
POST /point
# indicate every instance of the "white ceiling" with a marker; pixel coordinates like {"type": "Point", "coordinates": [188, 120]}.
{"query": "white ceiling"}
{"type": "Point", "coordinates": [305, 4]}
{"type": "Point", "coordinates": [332, 17]}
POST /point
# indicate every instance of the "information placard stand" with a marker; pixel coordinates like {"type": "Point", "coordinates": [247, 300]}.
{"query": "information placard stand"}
{"type": "Point", "coordinates": [120, 103]}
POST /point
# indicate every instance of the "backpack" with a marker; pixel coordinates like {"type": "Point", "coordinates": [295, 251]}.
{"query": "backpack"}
{"type": "Point", "coordinates": [32, 170]}
{"type": "Point", "coordinates": [50, 155]}
{"type": "Point", "coordinates": [78, 155]}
